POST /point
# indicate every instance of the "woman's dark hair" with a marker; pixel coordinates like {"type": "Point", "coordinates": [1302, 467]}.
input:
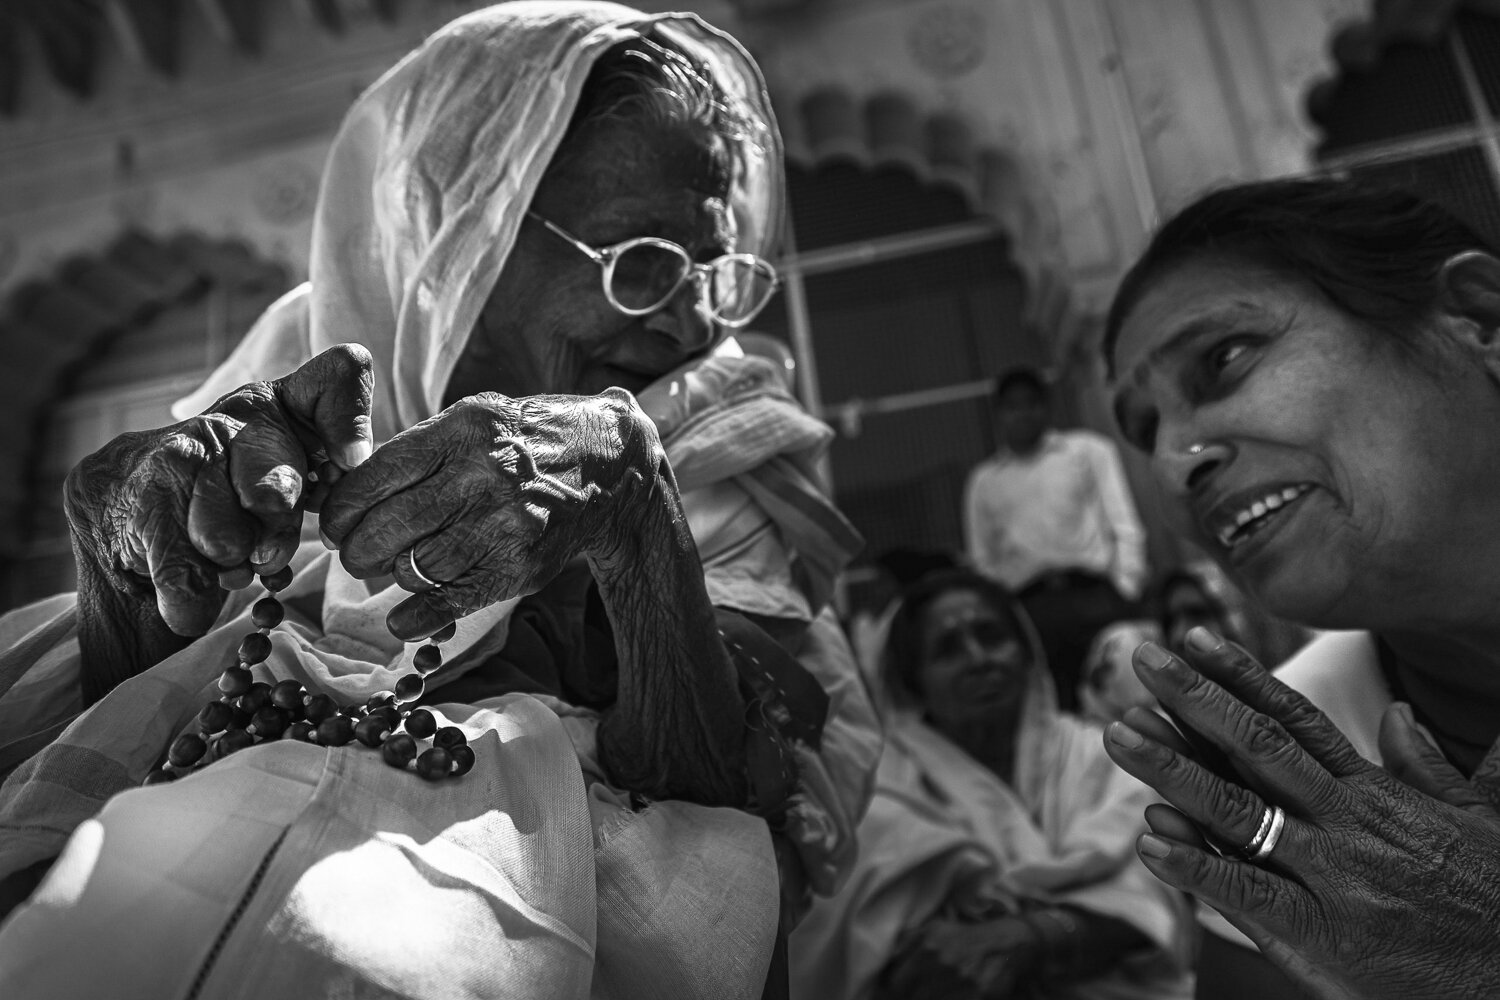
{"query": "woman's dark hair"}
{"type": "Point", "coordinates": [1024, 377]}
{"type": "Point", "coordinates": [1375, 252]}
{"type": "Point", "coordinates": [903, 648]}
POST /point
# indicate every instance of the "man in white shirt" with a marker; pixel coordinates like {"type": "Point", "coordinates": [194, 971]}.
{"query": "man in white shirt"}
{"type": "Point", "coordinates": [1050, 516]}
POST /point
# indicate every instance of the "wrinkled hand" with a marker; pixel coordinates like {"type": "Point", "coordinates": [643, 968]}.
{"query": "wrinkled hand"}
{"type": "Point", "coordinates": [176, 515]}
{"type": "Point", "coordinates": [1374, 890]}
{"type": "Point", "coordinates": [491, 498]}
{"type": "Point", "coordinates": [955, 960]}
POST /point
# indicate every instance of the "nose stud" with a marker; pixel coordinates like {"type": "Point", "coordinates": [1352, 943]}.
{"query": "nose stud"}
{"type": "Point", "coordinates": [1195, 449]}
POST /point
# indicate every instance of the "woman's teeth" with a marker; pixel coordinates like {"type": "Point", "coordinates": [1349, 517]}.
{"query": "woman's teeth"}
{"type": "Point", "coordinates": [1252, 518]}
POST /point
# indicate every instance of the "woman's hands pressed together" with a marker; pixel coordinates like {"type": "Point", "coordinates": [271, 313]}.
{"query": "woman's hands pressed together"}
{"type": "Point", "coordinates": [1374, 889]}
{"type": "Point", "coordinates": [490, 499]}
{"type": "Point", "coordinates": [164, 520]}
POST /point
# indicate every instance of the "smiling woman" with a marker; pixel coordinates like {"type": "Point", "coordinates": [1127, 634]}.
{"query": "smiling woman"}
{"type": "Point", "coordinates": [1313, 369]}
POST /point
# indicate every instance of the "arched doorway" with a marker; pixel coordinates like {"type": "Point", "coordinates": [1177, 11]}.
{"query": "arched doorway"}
{"type": "Point", "coordinates": [102, 346]}
{"type": "Point", "coordinates": [914, 304]}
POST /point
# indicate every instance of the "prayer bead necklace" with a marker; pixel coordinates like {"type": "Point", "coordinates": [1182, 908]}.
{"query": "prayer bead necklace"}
{"type": "Point", "coordinates": [248, 711]}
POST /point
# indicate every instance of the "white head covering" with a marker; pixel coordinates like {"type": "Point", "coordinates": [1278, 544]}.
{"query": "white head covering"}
{"type": "Point", "coordinates": [428, 178]}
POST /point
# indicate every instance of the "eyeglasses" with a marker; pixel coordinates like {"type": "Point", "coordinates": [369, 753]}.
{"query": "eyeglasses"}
{"type": "Point", "coordinates": [643, 274]}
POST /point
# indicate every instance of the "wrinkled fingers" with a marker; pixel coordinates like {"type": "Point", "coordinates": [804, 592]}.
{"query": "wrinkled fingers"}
{"type": "Point", "coordinates": [1230, 814]}
{"type": "Point", "coordinates": [1234, 669]}
{"type": "Point", "coordinates": [1257, 743]}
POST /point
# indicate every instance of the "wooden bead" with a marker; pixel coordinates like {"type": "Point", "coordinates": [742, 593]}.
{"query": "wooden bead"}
{"type": "Point", "coordinates": [269, 722]}
{"type": "Point", "coordinates": [399, 750]}
{"type": "Point", "coordinates": [389, 713]}
{"type": "Point", "coordinates": [380, 699]}
{"type": "Point", "coordinates": [267, 613]}
{"type": "Point", "coordinates": [299, 731]}
{"type": "Point", "coordinates": [215, 717]}
{"type": "Point", "coordinates": [445, 633]}
{"type": "Point", "coordinates": [187, 750]}
{"type": "Point", "coordinates": [257, 698]}
{"type": "Point", "coordinates": [463, 759]}
{"type": "Point", "coordinates": [434, 764]}
{"type": "Point", "coordinates": [235, 681]}
{"type": "Point", "coordinates": [287, 695]}
{"type": "Point", "coordinates": [316, 708]}
{"type": "Point", "coordinates": [335, 731]}
{"type": "Point", "coordinates": [372, 730]}
{"type": "Point", "coordinates": [278, 580]}
{"type": "Point", "coordinates": [410, 688]}
{"type": "Point", "coordinates": [427, 659]}
{"type": "Point", "coordinates": [254, 648]}
{"type": "Point", "coordinates": [232, 741]}
{"type": "Point", "coordinates": [421, 724]}
{"type": "Point", "coordinates": [448, 737]}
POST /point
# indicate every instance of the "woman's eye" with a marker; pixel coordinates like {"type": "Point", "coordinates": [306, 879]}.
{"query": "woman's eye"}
{"type": "Point", "coordinates": [1223, 356]}
{"type": "Point", "coordinates": [1226, 360]}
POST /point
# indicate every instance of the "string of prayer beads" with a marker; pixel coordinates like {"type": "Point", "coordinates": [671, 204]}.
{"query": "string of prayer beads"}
{"type": "Point", "coordinates": [248, 711]}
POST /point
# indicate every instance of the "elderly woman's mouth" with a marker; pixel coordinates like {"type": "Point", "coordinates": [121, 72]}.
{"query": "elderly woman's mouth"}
{"type": "Point", "coordinates": [1235, 522]}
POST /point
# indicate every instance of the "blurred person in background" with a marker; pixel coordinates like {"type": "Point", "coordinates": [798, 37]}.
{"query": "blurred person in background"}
{"type": "Point", "coordinates": [996, 859]}
{"type": "Point", "coordinates": [1050, 516]}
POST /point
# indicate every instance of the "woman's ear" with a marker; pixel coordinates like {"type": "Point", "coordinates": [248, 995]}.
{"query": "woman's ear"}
{"type": "Point", "coordinates": [1469, 295]}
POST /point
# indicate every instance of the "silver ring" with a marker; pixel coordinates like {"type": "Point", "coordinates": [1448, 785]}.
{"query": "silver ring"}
{"type": "Point", "coordinates": [411, 557]}
{"type": "Point", "coordinates": [1272, 822]}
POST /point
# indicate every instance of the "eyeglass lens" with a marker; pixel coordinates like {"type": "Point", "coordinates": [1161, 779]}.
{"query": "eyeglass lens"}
{"type": "Point", "coordinates": [645, 274]}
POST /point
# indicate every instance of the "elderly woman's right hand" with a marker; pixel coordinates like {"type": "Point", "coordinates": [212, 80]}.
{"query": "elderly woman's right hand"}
{"type": "Point", "coordinates": [163, 520]}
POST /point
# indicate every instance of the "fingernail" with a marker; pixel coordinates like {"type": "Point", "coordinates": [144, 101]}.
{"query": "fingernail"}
{"type": "Point", "coordinates": [1410, 718]}
{"type": "Point", "coordinates": [263, 555]}
{"type": "Point", "coordinates": [327, 542]}
{"type": "Point", "coordinates": [1153, 846]}
{"type": "Point", "coordinates": [1153, 656]}
{"type": "Point", "coordinates": [357, 453]}
{"type": "Point", "coordinates": [1125, 736]}
{"type": "Point", "coordinates": [1202, 640]}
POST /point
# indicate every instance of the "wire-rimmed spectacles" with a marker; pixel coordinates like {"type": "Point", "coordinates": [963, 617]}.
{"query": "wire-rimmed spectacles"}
{"type": "Point", "coordinates": [641, 275]}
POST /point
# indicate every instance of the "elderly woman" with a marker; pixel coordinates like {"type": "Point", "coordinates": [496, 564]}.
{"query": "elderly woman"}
{"type": "Point", "coordinates": [546, 208]}
{"type": "Point", "coordinates": [995, 859]}
{"type": "Point", "coordinates": [1313, 369]}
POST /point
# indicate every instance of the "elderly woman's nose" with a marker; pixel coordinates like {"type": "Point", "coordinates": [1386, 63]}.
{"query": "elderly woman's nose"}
{"type": "Point", "coordinates": [684, 321]}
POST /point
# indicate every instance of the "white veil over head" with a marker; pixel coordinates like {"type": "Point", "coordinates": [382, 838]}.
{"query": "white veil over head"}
{"type": "Point", "coordinates": [429, 176]}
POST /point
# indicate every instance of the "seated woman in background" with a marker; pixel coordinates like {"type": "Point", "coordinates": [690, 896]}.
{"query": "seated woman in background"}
{"type": "Point", "coordinates": [995, 859]}
{"type": "Point", "coordinates": [1313, 368]}
{"type": "Point", "coordinates": [545, 209]}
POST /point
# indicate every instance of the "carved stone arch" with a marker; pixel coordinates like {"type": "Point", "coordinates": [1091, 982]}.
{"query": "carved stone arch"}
{"type": "Point", "coordinates": [141, 310]}
{"type": "Point", "coordinates": [889, 128]}
{"type": "Point", "coordinates": [1357, 46]}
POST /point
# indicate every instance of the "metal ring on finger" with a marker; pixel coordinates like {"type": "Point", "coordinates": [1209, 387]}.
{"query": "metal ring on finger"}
{"type": "Point", "coordinates": [411, 558]}
{"type": "Point", "coordinates": [1272, 822]}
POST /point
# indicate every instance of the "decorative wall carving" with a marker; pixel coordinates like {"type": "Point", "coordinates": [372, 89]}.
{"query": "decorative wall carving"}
{"type": "Point", "coordinates": [947, 42]}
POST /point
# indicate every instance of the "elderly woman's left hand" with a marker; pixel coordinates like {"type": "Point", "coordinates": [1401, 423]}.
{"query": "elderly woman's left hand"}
{"type": "Point", "coordinates": [493, 496]}
{"type": "Point", "coordinates": [1374, 889]}
{"type": "Point", "coordinates": [490, 499]}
